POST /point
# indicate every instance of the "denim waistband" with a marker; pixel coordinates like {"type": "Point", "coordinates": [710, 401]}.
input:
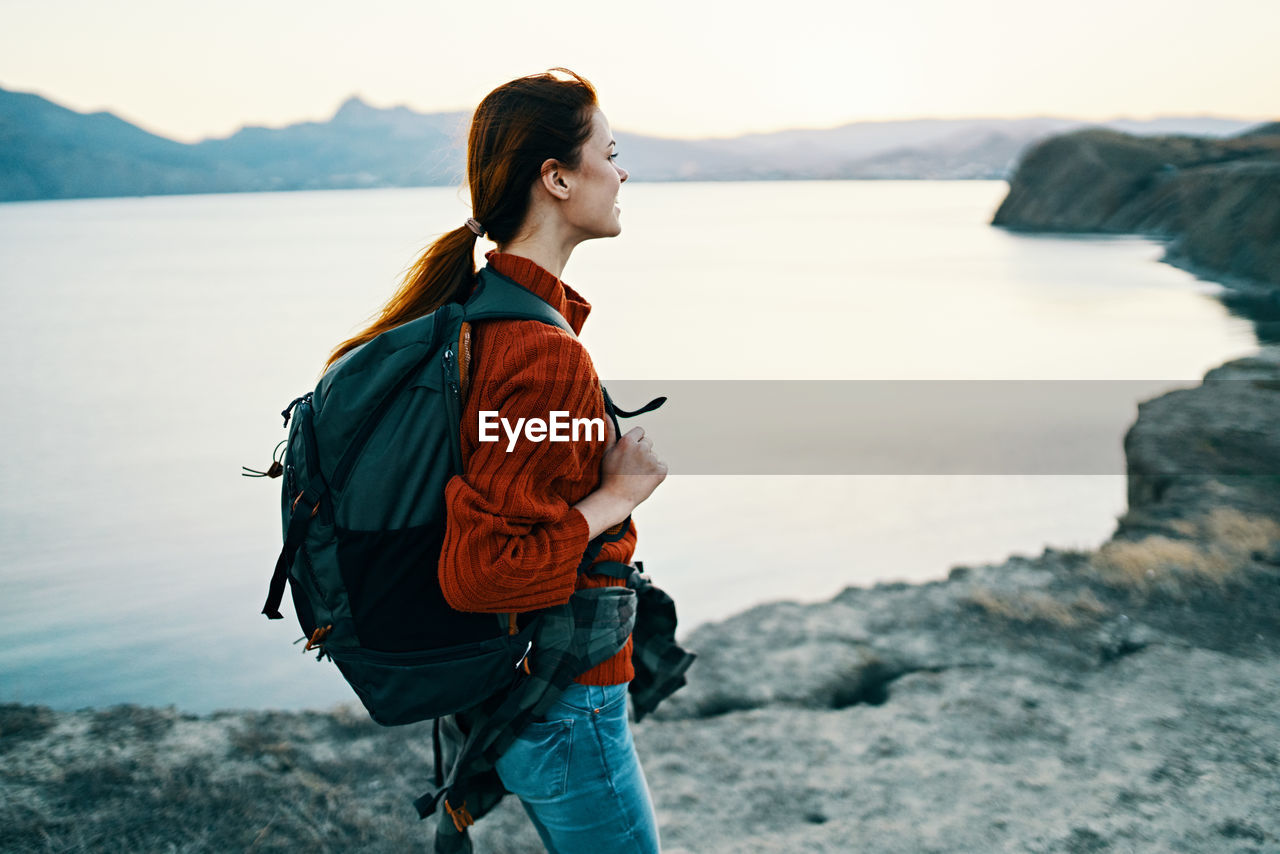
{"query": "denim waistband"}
{"type": "Point", "coordinates": [588, 698]}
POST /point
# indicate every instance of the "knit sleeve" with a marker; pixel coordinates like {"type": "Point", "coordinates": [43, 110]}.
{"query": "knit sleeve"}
{"type": "Point", "coordinates": [513, 540]}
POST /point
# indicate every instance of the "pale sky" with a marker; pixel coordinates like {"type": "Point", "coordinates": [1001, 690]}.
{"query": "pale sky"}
{"type": "Point", "coordinates": [679, 68]}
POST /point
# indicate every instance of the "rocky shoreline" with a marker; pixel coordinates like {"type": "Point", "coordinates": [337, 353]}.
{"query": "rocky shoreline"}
{"type": "Point", "coordinates": [1125, 699]}
{"type": "Point", "coordinates": [1216, 201]}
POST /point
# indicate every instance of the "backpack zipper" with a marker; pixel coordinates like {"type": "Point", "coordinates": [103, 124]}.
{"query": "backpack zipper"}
{"type": "Point", "coordinates": [453, 403]}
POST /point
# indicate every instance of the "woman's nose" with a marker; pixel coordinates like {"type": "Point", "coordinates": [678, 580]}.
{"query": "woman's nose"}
{"type": "Point", "coordinates": [623, 175]}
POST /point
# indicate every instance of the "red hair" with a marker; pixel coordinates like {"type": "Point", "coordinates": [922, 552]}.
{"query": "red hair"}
{"type": "Point", "coordinates": [515, 129]}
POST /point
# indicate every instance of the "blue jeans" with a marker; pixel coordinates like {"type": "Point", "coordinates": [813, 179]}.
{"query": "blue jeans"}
{"type": "Point", "coordinates": [577, 774]}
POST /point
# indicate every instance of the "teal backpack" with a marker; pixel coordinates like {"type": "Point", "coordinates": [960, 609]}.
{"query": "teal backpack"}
{"type": "Point", "coordinates": [367, 458]}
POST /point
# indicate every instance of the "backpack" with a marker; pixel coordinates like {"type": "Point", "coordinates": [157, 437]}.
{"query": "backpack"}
{"type": "Point", "coordinates": [368, 455]}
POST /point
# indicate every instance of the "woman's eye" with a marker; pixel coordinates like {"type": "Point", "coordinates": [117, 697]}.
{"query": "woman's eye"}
{"type": "Point", "coordinates": [611, 156]}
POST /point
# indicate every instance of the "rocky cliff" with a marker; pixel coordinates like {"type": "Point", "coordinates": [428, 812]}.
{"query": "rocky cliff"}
{"type": "Point", "coordinates": [1217, 201]}
{"type": "Point", "coordinates": [1117, 700]}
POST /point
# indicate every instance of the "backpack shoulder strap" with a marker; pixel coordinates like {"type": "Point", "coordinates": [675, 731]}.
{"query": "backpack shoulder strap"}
{"type": "Point", "coordinates": [496, 296]}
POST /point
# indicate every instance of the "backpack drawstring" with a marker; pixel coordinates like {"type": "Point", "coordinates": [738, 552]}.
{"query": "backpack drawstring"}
{"type": "Point", "coordinates": [288, 410]}
{"type": "Point", "coordinates": [274, 470]}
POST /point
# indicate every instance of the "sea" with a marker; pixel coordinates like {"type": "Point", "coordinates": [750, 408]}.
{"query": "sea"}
{"type": "Point", "coordinates": [149, 345]}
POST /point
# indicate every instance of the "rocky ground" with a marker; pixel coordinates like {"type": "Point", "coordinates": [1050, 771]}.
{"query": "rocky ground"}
{"type": "Point", "coordinates": [1126, 699]}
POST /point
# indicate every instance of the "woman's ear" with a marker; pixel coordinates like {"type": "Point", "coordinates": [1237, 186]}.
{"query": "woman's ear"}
{"type": "Point", "coordinates": [553, 179]}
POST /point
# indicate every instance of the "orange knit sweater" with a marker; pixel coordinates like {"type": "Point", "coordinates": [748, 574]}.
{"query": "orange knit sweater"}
{"type": "Point", "coordinates": [513, 539]}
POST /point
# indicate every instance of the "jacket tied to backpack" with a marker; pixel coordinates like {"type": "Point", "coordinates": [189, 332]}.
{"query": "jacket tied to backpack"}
{"type": "Point", "coordinates": [573, 637]}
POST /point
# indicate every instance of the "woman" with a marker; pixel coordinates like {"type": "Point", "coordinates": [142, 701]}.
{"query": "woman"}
{"type": "Point", "coordinates": [542, 176]}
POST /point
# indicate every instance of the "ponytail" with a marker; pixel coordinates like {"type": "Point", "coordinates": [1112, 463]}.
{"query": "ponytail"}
{"type": "Point", "coordinates": [444, 273]}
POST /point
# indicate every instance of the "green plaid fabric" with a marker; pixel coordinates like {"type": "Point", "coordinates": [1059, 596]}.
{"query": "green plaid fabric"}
{"type": "Point", "coordinates": [568, 640]}
{"type": "Point", "coordinates": [660, 663]}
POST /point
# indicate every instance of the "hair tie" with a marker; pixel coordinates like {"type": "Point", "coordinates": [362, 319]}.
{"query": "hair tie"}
{"type": "Point", "coordinates": [475, 226]}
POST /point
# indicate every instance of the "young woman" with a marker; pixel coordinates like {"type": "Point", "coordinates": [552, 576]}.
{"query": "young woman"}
{"type": "Point", "coordinates": [543, 178]}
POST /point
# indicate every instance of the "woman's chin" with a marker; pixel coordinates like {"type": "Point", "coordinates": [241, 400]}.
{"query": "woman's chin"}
{"type": "Point", "coordinates": [609, 228]}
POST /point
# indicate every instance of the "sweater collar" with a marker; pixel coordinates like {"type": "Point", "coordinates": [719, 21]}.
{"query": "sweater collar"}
{"type": "Point", "coordinates": [537, 280]}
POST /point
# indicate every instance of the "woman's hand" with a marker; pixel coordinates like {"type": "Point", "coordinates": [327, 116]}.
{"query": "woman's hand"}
{"type": "Point", "coordinates": [629, 473]}
{"type": "Point", "coordinates": [630, 469]}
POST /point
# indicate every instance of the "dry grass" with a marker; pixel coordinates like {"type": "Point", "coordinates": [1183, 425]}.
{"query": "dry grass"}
{"type": "Point", "coordinates": [1220, 544]}
{"type": "Point", "coordinates": [1032, 606]}
{"type": "Point", "coordinates": [1140, 565]}
{"type": "Point", "coordinates": [1241, 532]}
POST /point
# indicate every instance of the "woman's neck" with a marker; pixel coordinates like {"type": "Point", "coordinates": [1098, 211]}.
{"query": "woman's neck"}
{"type": "Point", "coordinates": [552, 262]}
{"type": "Point", "coordinates": [549, 251]}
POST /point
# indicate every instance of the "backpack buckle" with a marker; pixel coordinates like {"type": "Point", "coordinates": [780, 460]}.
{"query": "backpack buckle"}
{"type": "Point", "coordinates": [461, 817]}
{"type": "Point", "coordinates": [317, 638]}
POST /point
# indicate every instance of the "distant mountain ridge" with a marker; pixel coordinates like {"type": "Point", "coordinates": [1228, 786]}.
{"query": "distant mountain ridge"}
{"type": "Point", "coordinates": [50, 152]}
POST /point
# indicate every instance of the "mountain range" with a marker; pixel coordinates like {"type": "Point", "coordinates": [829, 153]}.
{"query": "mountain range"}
{"type": "Point", "coordinates": [48, 151]}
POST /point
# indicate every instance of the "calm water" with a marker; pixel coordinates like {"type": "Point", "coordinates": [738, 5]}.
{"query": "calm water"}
{"type": "Point", "coordinates": [149, 343]}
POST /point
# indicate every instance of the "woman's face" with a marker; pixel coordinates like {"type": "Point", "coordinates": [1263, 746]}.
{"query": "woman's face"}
{"type": "Point", "coordinates": [592, 205]}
